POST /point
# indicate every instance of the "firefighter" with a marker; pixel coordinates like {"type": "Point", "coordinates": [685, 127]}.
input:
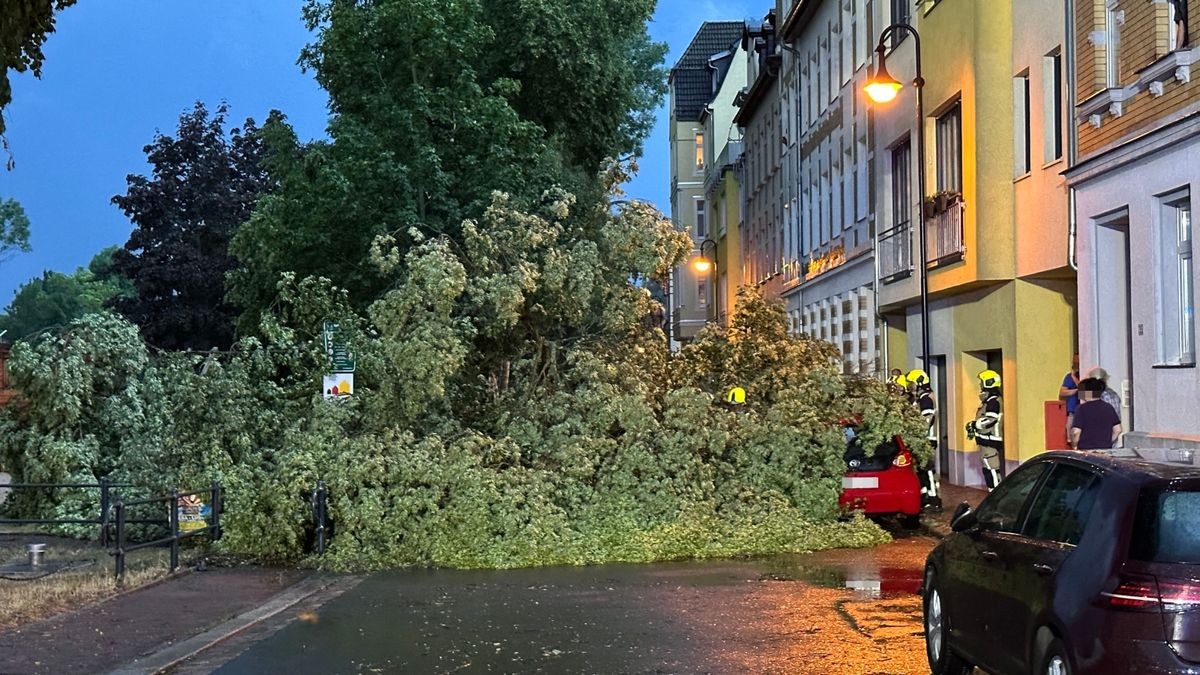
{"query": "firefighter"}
{"type": "Point", "coordinates": [899, 384]}
{"type": "Point", "coordinates": [987, 429]}
{"type": "Point", "coordinates": [922, 398]}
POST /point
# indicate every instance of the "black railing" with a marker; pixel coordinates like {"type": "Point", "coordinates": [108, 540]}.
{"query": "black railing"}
{"type": "Point", "coordinates": [175, 536]}
{"type": "Point", "coordinates": [894, 253]}
{"type": "Point", "coordinates": [320, 498]}
{"type": "Point", "coordinates": [102, 518]}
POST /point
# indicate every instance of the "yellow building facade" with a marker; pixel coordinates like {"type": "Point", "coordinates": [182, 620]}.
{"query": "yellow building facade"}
{"type": "Point", "coordinates": [1001, 291]}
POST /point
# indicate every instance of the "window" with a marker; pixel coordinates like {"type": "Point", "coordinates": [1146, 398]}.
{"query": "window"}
{"type": "Point", "coordinates": [1177, 28]}
{"type": "Point", "coordinates": [902, 184]}
{"type": "Point", "coordinates": [699, 152]}
{"type": "Point", "coordinates": [949, 150]}
{"type": "Point", "coordinates": [1052, 107]}
{"type": "Point", "coordinates": [1061, 509]}
{"type": "Point", "coordinates": [701, 220]}
{"type": "Point", "coordinates": [901, 13]}
{"type": "Point", "coordinates": [702, 294]}
{"type": "Point", "coordinates": [1167, 527]}
{"type": "Point", "coordinates": [1176, 317]}
{"type": "Point", "coordinates": [1113, 18]}
{"type": "Point", "coordinates": [1001, 510]}
{"type": "Point", "coordinates": [1021, 125]}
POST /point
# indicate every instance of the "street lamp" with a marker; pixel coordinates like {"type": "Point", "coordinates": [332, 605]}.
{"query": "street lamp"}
{"type": "Point", "coordinates": [883, 88]}
{"type": "Point", "coordinates": [706, 264]}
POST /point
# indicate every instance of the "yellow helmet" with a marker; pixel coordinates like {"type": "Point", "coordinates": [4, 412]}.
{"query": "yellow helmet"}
{"type": "Point", "coordinates": [918, 377]}
{"type": "Point", "coordinates": [736, 396]}
{"type": "Point", "coordinates": [989, 379]}
{"type": "Point", "coordinates": [900, 381]}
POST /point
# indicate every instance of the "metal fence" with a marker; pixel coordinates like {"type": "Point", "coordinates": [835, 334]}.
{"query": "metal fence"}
{"type": "Point", "coordinates": [212, 526]}
{"type": "Point", "coordinates": [101, 520]}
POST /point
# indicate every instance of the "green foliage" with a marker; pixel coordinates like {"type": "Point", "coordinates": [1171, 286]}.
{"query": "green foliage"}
{"type": "Point", "coordinates": [14, 224]}
{"type": "Point", "coordinates": [55, 299]}
{"type": "Point", "coordinates": [515, 403]}
{"type": "Point", "coordinates": [436, 105]}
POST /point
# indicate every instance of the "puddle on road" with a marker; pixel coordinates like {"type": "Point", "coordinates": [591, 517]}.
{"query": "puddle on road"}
{"type": "Point", "coordinates": [864, 580]}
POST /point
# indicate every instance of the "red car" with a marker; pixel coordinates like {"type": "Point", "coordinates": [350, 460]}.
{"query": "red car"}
{"type": "Point", "coordinates": [882, 483]}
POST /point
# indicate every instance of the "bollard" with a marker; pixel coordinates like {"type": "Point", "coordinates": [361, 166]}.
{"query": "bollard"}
{"type": "Point", "coordinates": [174, 530]}
{"type": "Point", "coordinates": [36, 553]}
{"type": "Point", "coordinates": [104, 509]}
{"type": "Point", "coordinates": [120, 552]}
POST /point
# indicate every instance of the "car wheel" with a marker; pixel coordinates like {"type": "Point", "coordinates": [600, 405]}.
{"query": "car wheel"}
{"type": "Point", "coordinates": [942, 659]}
{"type": "Point", "coordinates": [910, 522]}
{"type": "Point", "coordinates": [1054, 661]}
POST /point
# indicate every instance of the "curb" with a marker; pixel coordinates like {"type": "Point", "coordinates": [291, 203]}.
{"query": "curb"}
{"type": "Point", "coordinates": [934, 528]}
{"type": "Point", "coordinates": [171, 654]}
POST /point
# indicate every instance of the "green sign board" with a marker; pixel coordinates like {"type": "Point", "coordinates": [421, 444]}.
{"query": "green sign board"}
{"type": "Point", "coordinates": [336, 349]}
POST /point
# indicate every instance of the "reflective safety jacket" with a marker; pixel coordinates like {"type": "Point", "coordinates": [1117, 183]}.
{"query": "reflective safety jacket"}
{"type": "Point", "coordinates": [928, 407]}
{"type": "Point", "coordinates": [988, 425]}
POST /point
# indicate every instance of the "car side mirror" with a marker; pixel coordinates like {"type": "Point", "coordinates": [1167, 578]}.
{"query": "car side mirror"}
{"type": "Point", "coordinates": [964, 518]}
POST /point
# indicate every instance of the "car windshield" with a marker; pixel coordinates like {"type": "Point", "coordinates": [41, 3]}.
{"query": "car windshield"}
{"type": "Point", "coordinates": [1167, 527]}
{"type": "Point", "coordinates": [859, 460]}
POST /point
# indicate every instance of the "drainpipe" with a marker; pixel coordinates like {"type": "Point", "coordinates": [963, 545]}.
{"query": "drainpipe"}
{"type": "Point", "coordinates": [1072, 142]}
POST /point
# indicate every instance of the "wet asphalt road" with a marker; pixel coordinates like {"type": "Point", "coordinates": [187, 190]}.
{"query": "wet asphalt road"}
{"type": "Point", "coordinates": [837, 612]}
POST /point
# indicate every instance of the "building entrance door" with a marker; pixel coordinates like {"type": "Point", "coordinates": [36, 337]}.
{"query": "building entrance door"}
{"type": "Point", "coordinates": [937, 375]}
{"type": "Point", "coordinates": [1114, 345]}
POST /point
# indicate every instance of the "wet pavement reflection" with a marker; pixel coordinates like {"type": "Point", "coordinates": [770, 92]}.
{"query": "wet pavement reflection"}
{"type": "Point", "coordinates": [844, 611]}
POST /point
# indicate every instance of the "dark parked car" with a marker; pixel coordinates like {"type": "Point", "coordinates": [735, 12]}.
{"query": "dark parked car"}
{"type": "Point", "coordinates": [1076, 563]}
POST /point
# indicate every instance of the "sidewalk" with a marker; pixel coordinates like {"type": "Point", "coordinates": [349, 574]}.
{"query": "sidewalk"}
{"type": "Point", "coordinates": [99, 637]}
{"type": "Point", "coordinates": [938, 524]}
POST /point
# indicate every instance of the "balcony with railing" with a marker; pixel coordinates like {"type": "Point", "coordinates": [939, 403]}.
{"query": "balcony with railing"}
{"type": "Point", "coordinates": [894, 253]}
{"type": "Point", "coordinates": [944, 229]}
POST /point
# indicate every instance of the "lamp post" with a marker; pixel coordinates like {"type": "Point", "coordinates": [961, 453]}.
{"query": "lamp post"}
{"type": "Point", "coordinates": [883, 88]}
{"type": "Point", "coordinates": [706, 263]}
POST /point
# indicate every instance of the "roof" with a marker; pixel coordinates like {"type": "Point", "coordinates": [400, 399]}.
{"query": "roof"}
{"type": "Point", "coordinates": [691, 78]}
{"type": "Point", "coordinates": [1140, 470]}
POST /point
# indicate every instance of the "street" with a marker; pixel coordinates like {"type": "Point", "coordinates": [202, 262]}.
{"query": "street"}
{"type": "Point", "coordinates": [843, 611]}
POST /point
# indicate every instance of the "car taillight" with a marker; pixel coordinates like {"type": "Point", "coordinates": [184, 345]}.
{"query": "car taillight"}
{"type": "Point", "coordinates": [902, 459]}
{"type": "Point", "coordinates": [1135, 594]}
{"type": "Point", "coordinates": [1178, 595]}
{"type": "Point", "coordinates": [1148, 594]}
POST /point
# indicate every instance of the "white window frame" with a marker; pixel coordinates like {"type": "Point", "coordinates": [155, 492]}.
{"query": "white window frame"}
{"type": "Point", "coordinates": [950, 149]}
{"type": "Point", "coordinates": [701, 218]}
{"type": "Point", "coordinates": [701, 158]}
{"type": "Point", "coordinates": [1022, 126]}
{"type": "Point", "coordinates": [1176, 281]}
{"type": "Point", "coordinates": [1113, 18]}
{"type": "Point", "coordinates": [1052, 106]}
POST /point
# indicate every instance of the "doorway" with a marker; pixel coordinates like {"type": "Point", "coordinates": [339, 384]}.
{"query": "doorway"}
{"type": "Point", "coordinates": [937, 374]}
{"type": "Point", "coordinates": [1114, 344]}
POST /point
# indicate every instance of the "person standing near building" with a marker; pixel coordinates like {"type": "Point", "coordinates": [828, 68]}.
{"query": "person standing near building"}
{"type": "Point", "coordinates": [988, 429]}
{"type": "Point", "coordinates": [924, 401]}
{"type": "Point", "coordinates": [1097, 426]}
{"type": "Point", "coordinates": [1068, 392]}
{"type": "Point", "coordinates": [1106, 394]}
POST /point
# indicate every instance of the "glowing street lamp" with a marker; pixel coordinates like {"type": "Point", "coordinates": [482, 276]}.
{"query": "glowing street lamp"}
{"type": "Point", "coordinates": [883, 88]}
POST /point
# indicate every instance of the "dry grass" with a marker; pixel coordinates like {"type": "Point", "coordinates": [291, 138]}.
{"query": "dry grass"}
{"type": "Point", "coordinates": [91, 578]}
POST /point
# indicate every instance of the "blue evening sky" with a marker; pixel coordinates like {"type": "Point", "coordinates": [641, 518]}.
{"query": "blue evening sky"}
{"type": "Point", "coordinates": [117, 71]}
